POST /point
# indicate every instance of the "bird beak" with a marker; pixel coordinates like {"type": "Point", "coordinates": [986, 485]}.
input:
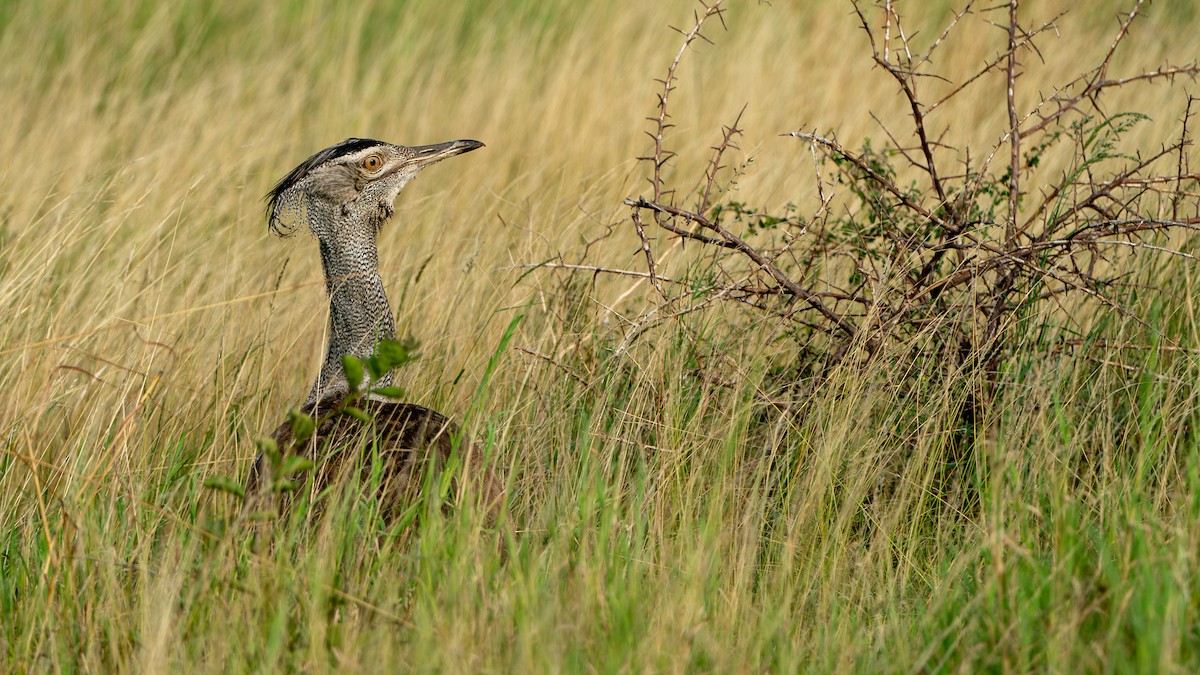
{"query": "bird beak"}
{"type": "Point", "coordinates": [422, 156]}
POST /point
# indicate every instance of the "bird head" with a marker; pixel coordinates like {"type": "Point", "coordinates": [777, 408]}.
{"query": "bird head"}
{"type": "Point", "coordinates": [355, 181]}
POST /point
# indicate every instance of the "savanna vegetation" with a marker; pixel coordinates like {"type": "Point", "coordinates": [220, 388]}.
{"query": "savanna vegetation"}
{"type": "Point", "coordinates": [831, 372]}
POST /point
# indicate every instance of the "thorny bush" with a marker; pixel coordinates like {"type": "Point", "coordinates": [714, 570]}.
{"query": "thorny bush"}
{"type": "Point", "coordinates": [933, 272]}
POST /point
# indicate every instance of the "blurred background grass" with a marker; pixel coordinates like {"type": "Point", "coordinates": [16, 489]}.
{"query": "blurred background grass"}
{"type": "Point", "coordinates": [152, 328]}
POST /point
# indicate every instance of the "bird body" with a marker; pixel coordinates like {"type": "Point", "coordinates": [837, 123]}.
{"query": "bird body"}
{"type": "Point", "coordinates": [345, 194]}
{"type": "Point", "coordinates": [406, 439]}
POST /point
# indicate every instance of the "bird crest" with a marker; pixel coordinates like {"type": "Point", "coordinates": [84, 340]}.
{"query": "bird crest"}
{"type": "Point", "coordinates": [288, 201]}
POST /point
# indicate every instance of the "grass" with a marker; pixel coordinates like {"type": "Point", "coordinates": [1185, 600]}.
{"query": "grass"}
{"type": "Point", "coordinates": [657, 520]}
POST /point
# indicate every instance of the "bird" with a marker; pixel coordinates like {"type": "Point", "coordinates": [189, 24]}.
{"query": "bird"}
{"type": "Point", "coordinates": [345, 194]}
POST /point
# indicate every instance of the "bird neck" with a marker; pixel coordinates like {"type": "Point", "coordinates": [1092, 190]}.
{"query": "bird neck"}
{"type": "Point", "coordinates": [359, 313]}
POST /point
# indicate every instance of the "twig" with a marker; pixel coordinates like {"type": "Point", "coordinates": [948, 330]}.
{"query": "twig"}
{"type": "Point", "coordinates": [1014, 126]}
{"type": "Point", "coordinates": [661, 156]}
{"type": "Point", "coordinates": [651, 274]}
{"type": "Point", "coordinates": [570, 373]}
{"type": "Point", "coordinates": [588, 268]}
{"type": "Point", "coordinates": [714, 164]}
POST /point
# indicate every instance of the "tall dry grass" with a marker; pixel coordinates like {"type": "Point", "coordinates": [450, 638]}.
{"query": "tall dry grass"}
{"type": "Point", "coordinates": [657, 521]}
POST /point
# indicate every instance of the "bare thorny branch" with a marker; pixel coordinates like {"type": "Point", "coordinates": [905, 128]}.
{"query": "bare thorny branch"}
{"type": "Point", "coordinates": [661, 124]}
{"type": "Point", "coordinates": [661, 155]}
{"type": "Point", "coordinates": [1014, 124]}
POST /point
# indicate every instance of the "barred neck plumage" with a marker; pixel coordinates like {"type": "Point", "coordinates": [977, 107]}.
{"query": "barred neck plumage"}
{"type": "Point", "coordinates": [359, 313]}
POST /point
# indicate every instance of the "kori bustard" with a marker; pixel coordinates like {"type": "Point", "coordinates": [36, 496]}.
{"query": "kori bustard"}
{"type": "Point", "coordinates": [344, 194]}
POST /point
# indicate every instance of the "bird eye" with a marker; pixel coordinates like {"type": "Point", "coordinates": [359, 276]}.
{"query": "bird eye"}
{"type": "Point", "coordinates": [372, 163]}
